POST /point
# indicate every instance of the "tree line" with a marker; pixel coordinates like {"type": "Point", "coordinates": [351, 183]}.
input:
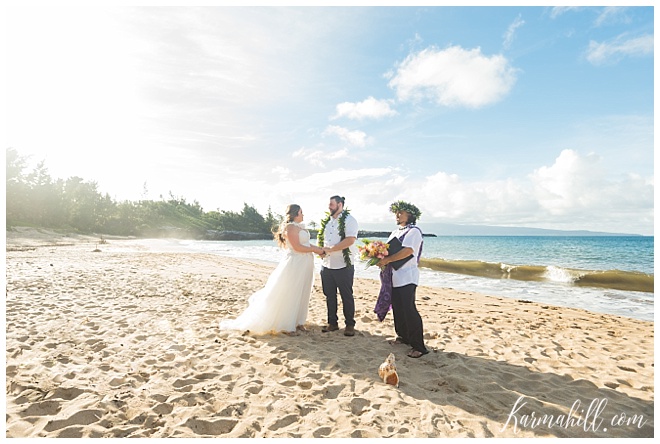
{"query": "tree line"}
{"type": "Point", "coordinates": [37, 200]}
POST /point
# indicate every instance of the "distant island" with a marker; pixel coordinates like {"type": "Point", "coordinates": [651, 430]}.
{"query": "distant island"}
{"type": "Point", "coordinates": [362, 234]}
{"type": "Point", "coordinates": [244, 235]}
{"type": "Point", "coordinates": [445, 229]}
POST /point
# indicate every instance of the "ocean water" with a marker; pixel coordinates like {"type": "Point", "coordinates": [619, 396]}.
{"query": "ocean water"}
{"type": "Point", "coordinates": [611, 275]}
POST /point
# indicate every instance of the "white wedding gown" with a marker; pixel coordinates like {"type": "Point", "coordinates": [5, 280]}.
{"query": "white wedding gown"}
{"type": "Point", "coordinates": [282, 304]}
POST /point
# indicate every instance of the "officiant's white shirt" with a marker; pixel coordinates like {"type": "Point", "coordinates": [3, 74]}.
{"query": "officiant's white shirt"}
{"type": "Point", "coordinates": [408, 273]}
{"type": "Point", "coordinates": [335, 260]}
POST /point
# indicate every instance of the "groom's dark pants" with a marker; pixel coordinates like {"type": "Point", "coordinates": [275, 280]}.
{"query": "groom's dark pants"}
{"type": "Point", "coordinates": [342, 279]}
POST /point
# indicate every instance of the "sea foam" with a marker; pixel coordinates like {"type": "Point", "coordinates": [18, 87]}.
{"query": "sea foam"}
{"type": "Point", "coordinates": [562, 275]}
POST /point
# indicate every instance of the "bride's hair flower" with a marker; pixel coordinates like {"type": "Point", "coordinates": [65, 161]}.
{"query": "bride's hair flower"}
{"type": "Point", "coordinates": [372, 251]}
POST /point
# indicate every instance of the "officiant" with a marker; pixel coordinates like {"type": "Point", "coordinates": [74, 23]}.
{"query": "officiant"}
{"type": "Point", "coordinates": [402, 267]}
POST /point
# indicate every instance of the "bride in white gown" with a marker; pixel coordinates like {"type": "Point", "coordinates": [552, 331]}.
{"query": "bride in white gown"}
{"type": "Point", "coordinates": [282, 304]}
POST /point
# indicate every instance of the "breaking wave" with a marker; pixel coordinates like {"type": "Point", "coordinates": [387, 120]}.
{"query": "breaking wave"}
{"type": "Point", "coordinates": [612, 279]}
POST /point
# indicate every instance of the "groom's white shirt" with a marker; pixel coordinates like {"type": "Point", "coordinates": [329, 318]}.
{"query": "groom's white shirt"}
{"type": "Point", "coordinates": [335, 260]}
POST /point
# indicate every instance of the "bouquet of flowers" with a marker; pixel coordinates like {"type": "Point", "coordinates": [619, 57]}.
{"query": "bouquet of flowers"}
{"type": "Point", "coordinates": [372, 251]}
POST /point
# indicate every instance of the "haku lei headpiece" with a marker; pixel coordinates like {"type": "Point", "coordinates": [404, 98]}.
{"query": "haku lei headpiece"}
{"type": "Point", "coordinates": [405, 206]}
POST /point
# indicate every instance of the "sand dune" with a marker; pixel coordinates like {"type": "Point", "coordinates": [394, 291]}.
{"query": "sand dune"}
{"type": "Point", "coordinates": [124, 343]}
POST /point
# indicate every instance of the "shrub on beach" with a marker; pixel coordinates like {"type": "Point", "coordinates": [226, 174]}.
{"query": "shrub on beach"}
{"type": "Point", "coordinates": [37, 200]}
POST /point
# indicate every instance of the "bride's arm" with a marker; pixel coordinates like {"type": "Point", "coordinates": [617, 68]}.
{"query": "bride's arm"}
{"type": "Point", "coordinates": [292, 236]}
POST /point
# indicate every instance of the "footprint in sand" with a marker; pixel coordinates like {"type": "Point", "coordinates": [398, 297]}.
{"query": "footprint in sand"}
{"type": "Point", "coordinates": [96, 344]}
{"type": "Point", "coordinates": [84, 417]}
{"type": "Point", "coordinates": [159, 398]}
{"type": "Point", "coordinates": [45, 408]}
{"type": "Point", "coordinates": [12, 370]}
{"type": "Point", "coordinates": [284, 422]}
{"type": "Point", "coordinates": [314, 375]}
{"type": "Point", "coordinates": [216, 427]}
{"type": "Point", "coordinates": [70, 432]}
{"type": "Point", "coordinates": [168, 357]}
{"type": "Point", "coordinates": [228, 377]}
{"type": "Point", "coordinates": [163, 409]}
{"type": "Point", "coordinates": [364, 434]}
{"type": "Point", "coordinates": [66, 393]}
{"type": "Point", "coordinates": [253, 387]}
{"type": "Point", "coordinates": [322, 432]}
{"type": "Point", "coordinates": [331, 392]}
{"type": "Point", "coordinates": [190, 399]}
{"type": "Point", "coordinates": [184, 385]}
{"type": "Point", "coordinates": [119, 382]}
{"type": "Point", "coordinates": [441, 421]}
{"type": "Point", "coordinates": [205, 376]}
{"type": "Point", "coordinates": [358, 406]}
{"type": "Point", "coordinates": [306, 409]}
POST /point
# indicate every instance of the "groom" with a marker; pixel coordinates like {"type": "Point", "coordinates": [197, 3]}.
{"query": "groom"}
{"type": "Point", "coordinates": [338, 233]}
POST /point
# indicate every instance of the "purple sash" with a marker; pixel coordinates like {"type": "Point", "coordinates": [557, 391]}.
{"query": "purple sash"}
{"type": "Point", "coordinates": [384, 302]}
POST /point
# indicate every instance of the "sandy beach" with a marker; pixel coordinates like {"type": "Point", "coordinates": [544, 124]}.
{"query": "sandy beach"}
{"type": "Point", "coordinates": [124, 342]}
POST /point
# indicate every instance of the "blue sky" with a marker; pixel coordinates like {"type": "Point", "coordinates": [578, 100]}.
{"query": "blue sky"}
{"type": "Point", "coordinates": [513, 116]}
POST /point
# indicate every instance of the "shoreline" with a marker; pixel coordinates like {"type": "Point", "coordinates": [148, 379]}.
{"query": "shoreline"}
{"type": "Point", "coordinates": [607, 279]}
{"type": "Point", "coordinates": [124, 342]}
{"type": "Point", "coordinates": [555, 291]}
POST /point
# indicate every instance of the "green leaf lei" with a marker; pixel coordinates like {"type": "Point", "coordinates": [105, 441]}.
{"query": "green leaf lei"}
{"type": "Point", "coordinates": [342, 233]}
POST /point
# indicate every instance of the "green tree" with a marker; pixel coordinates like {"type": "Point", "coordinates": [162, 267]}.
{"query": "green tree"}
{"type": "Point", "coordinates": [83, 203]}
{"type": "Point", "coordinates": [272, 220]}
{"type": "Point", "coordinates": [17, 189]}
{"type": "Point", "coordinates": [45, 204]}
{"type": "Point", "coordinates": [253, 221]}
{"type": "Point", "coordinates": [37, 199]}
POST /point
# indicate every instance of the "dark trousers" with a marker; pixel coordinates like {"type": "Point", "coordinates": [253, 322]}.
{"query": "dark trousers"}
{"type": "Point", "coordinates": [341, 279]}
{"type": "Point", "coordinates": [407, 321]}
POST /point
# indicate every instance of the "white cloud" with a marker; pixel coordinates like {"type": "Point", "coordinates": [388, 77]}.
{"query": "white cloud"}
{"type": "Point", "coordinates": [367, 109]}
{"type": "Point", "coordinates": [565, 185]}
{"type": "Point", "coordinates": [612, 15]}
{"type": "Point", "coordinates": [446, 197]}
{"type": "Point", "coordinates": [560, 10]}
{"type": "Point", "coordinates": [354, 138]}
{"type": "Point", "coordinates": [318, 157]}
{"type": "Point", "coordinates": [622, 46]}
{"type": "Point", "coordinates": [361, 187]}
{"type": "Point", "coordinates": [511, 31]}
{"type": "Point", "coordinates": [342, 176]}
{"type": "Point", "coordinates": [573, 193]}
{"type": "Point", "coordinates": [453, 77]}
{"type": "Point", "coordinates": [281, 171]}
